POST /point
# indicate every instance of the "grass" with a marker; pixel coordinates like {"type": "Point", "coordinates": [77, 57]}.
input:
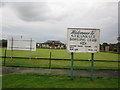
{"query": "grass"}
{"type": "Point", "coordinates": [54, 81]}
{"type": "Point", "coordinates": [60, 54]}
{"type": "Point", "coordinates": [0, 82]}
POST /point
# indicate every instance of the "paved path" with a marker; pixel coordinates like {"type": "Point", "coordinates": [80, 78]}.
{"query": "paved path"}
{"type": "Point", "coordinates": [86, 73]}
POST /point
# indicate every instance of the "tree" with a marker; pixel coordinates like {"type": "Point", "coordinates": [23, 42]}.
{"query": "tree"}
{"type": "Point", "coordinates": [118, 38]}
{"type": "Point", "coordinates": [3, 43]}
{"type": "Point", "coordinates": [105, 44]}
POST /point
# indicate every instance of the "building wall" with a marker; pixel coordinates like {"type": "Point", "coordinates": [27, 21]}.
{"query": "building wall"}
{"type": "Point", "coordinates": [54, 46]}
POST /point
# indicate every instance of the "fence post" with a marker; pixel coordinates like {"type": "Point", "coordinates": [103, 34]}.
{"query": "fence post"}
{"type": "Point", "coordinates": [50, 61]}
{"type": "Point", "coordinates": [92, 65]}
{"type": "Point", "coordinates": [4, 58]}
{"type": "Point", "coordinates": [72, 60]}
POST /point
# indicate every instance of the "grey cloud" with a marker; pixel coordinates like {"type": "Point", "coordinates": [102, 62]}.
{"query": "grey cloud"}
{"type": "Point", "coordinates": [100, 15]}
{"type": "Point", "coordinates": [32, 11]}
{"type": "Point", "coordinates": [103, 16]}
{"type": "Point", "coordinates": [2, 4]}
{"type": "Point", "coordinates": [28, 11]}
{"type": "Point", "coordinates": [119, 19]}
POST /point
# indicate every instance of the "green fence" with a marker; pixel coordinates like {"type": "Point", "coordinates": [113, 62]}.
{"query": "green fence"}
{"type": "Point", "coordinates": [48, 58]}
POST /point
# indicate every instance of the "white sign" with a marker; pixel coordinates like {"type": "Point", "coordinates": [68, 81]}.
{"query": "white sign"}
{"type": "Point", "coordinates": [83, 40]}
{"type": "Point", "coordinates": [21, 44]}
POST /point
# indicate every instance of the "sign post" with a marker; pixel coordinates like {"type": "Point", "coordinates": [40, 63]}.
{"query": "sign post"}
{"type": "Point", "coordinates": [92, 65]}
{"type": "Point", "coordinates": [83, 40]}
{"type": "Point", "coordinates": [50, 61]}
{"type": "Point", "coordinates": [72, 62]}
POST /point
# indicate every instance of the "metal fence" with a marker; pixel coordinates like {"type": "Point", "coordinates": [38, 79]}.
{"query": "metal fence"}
{"type": "Point", "coordinates": [57, 63]}
{"type": "Point", "coordinates": [53, 60]}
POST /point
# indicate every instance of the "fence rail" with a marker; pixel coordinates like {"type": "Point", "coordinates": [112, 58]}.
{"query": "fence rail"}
{"type": "Point", "coordinates": [62, 59]}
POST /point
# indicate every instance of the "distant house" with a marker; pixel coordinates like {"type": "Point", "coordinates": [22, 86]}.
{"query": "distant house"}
{"type": "Point", "coordinates": [52, 44]}
{"type": "Point", "coordinates": [110, 47]}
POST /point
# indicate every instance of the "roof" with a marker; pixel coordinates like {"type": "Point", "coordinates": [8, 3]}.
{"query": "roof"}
{"type": "Point", "coordinates": [51, 41]}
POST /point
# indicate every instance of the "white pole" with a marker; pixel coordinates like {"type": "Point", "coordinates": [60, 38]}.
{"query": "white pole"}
{"type": "Point", "coordinates": [11, 52]}
{"type": "Point", "coordinates": [30, 48]}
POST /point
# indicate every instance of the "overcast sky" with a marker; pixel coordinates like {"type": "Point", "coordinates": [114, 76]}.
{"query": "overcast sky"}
{"type": "Point", "coordinates": [49, 20]}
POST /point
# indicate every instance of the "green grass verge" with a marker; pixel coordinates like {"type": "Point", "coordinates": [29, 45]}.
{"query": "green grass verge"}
{"type": "Point", "coordinates": [53, 81]}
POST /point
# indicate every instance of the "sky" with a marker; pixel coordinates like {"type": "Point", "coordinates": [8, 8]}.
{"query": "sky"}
{"type": "Point", "coordinates": [47, 20]}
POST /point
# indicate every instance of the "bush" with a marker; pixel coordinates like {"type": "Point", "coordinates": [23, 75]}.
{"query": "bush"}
{"type": "Point", "coordinates": [115, 49]}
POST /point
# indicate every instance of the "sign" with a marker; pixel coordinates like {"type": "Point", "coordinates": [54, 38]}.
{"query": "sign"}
{"type": "Point", "coordinates": [21, 44]}
{"type": "Point", "coordinates": [83, 40]}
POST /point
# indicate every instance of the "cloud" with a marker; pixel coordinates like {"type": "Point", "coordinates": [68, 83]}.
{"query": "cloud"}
{"type": "Point", "coordinates": [50, 20]}
{"type": "Point", "coordinates": [2, 4]}
{"type": "Point", "coordinates": [119, 19]}
{"type": "Point", "coordinates": [31, 11]}
{"type": "Point", "coordinates": [41, 11]}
